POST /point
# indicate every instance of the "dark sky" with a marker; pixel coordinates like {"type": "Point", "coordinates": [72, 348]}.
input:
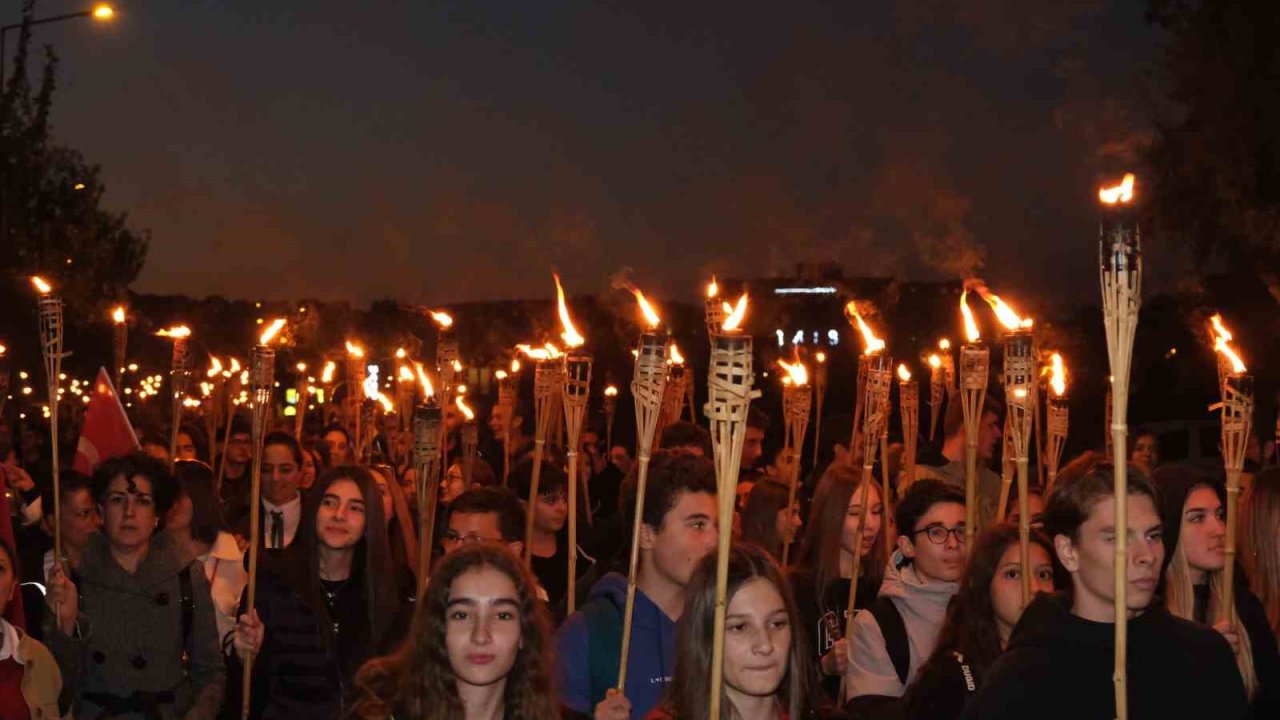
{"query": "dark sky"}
{"type": "Point", "coordinates": [447, 151]}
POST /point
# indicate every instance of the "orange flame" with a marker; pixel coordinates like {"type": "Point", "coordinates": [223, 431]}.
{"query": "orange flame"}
{"type": "Point", "coordinates": [673, 353]}
{"type": "Point", "coordinates": [117, 315]}
{"type": "Point", "coordinates": [301, 367]}
{"type": "Point", "coordinates": [42, 287]}
{"type": "Point", "coordinates": [401, 354]}
{"type": "Point", "coordinates": [405, 374]}
{"type": "Point", "coordinates": [797, 373]}
{"type": "Point", "coordinates": [385, 402]}
{"type": "Point", "coordinates": [326, 376]}
{"type": "Point", "coordinates": [1058, 376]}
{"type": "Point", "coordinates": [713, 288]}
{"type": "Point", "coordinates": [178, 332]}
{"type": "Point", "coordinates": [935, 362]}
{"type": "Point", "coordinates": [970, 325]}
{"type": "Point", "coordinates": [424, 381]}
{"type": "Point", "coordinates": [462, 406]}
{"type": "Point", "coordinates": [944, 344]}
{"type": "Point", "coordinates": [235, 366]}
{"type": "Point", "coordinates": [442, 318]}
{"type": "Point", "coordinates": [500, 374]}
{"type": "Point", "coordinates": [354, 350]}
{"type": "Point", "coordinates": [3, 350]}
{"type": "Point", "coordinates": [515, 365]}
{"type": "Point", "coordinates": [1222, 343]}
{"type": "Point", "coordinates": [873, 343]}
{"type": "Point", "coordinates": [734, 320]}
{"type": "Point", "coordinates": [821, 357]}
{"type": "Point", "coordinates": [272, 330]}
{"type": "Point", "coordinates": [570, 335]}
{"type": "Point", "coordinates": [1122, 193]}
{"type": "Point", "coordinates": [611, 391]}
{"type": "Point", "coordinates": [903, 373]}
{"type": "Point", "coordinates": [651, 317]}
{"type": "Point", "coordinates": [546, 352]}
{"type": "Point", "coordinates": [215, 367]}
{"type": "Point", "coordinates": [1004, 313]}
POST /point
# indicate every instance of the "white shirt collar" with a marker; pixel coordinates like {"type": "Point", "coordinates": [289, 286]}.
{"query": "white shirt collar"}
{"type": "Point", "coordinates": [10, 649]}
{"type": "Point", "coordinates": [291, 513]}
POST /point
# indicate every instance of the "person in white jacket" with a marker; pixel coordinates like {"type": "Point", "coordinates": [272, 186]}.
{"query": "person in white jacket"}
{"type": "Point", "coordinates": [195, 524]}
{"type": "Point", "coordinates": [895, 636]}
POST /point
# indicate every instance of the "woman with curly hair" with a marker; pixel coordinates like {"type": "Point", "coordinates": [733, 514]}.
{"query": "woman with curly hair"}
{"type": "Point", "coordinates": [979, 621]}
{"type": "Point", "coordinates": [480, 648]}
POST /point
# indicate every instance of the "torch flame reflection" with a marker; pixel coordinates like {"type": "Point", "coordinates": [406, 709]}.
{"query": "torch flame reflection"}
{"type": "Point", "coordinates": [797, 373]}
{"type": "Point", "coordinates": [462, 406]}
{"type": "Point", "coordinates": [1007, 316]}
{"type": "Point", "coordinates": [970, 326]}
{"type": "Point", "coordinates": [1058, 376]}
{"type": "Point", "coordinates": [570, 335]}
{"type": "Point", "coordinates": [674, 354]}
{"type": "Point", "coordinates": [177, 331]}
{"type": "Point", "coordinates": [735, 318]}
{"type": "Point", "coordinates": [873, 343]}
{"type": "Point", "coordinates": [272, 330]}
{"type": "Point", "coordinates": [651, 317]}
{"type": "Point", "coordinates": [1122, 193]}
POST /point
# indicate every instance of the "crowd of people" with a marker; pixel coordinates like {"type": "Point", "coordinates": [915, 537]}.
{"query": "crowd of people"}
{"type": "Point", "coordinates": [147, 614]}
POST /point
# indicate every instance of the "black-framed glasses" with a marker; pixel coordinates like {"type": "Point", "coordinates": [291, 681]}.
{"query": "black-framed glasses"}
{"type": "Point", "coordinates": [938, 534]}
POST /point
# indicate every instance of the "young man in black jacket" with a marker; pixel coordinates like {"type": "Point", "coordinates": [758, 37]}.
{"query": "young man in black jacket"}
{"type": "Point", "coordinates": [1060, 656]}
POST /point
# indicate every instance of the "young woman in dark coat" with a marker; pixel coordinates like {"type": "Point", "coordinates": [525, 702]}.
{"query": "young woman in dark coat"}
{"type": "Point", "coordinates": [1193, 510]}
{"type": "Point", "coordinates": [327, 604]}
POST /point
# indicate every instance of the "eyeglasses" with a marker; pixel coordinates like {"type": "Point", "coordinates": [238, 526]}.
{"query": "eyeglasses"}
{"type": "Point", "coordinates": [938, 534]}
{"type": "Point", "coordinates": [452, 538]}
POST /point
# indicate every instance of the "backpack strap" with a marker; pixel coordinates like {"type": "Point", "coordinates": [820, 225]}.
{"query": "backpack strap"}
{"type": "Point", "coordinates": [894, 631]}
{"type": "Point", "coordinates": [604, 646]}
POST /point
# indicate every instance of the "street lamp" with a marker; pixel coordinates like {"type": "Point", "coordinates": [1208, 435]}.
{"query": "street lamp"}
{"type": "Point", "coordinates": [101, 12]}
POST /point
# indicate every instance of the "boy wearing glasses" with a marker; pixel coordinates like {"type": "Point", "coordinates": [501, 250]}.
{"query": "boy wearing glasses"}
{"type": "Point", "coordinates": [894, 637]}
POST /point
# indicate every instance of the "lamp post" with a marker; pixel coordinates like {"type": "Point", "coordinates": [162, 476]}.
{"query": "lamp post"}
{"type": "Point", "coordinates": [100, 12]}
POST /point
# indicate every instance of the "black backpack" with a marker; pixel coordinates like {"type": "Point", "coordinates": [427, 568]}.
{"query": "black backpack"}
{"type": "Point", "coordinates": [894, 631]}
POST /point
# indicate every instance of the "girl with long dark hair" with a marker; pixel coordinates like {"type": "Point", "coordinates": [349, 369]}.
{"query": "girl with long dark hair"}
{"type": "Point", "coordinates": [979, 621]}
{"type": "Point", "coordinates": [768, 671]}
{"type": "Point", "coordinates": [480, 647]}
{"type": "Point", "coordinates": [194, 523]}
{"type": "Point", "coordinates": [324, 606]}
{"type": "Point", "coordinates": [821, 575]}
{"type": "Point", "coordinates": [767, 522]}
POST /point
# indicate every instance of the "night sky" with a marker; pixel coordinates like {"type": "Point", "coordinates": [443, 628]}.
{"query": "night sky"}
{"type": "Point", "coordinates": [447, 151]}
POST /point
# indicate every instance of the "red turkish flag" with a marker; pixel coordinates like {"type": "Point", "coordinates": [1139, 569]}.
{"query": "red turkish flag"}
{"type": "Point", "coordinates": [106, 432]}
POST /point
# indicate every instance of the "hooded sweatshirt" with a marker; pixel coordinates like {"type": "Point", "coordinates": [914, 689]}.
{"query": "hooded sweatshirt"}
{"type": "Point", "coordinates": [923, 607]}
{"type": "Point", "coordinates": [1059, 665]}
{"type": "Point", "coordinates": [583, 679]}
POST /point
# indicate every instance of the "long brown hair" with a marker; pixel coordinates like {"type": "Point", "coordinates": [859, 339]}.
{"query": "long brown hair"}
{"type": "Point", "coordinates": [417, 682]}
{"type": "Point", "coordinates": [760, 516]}
{"type": "Point", "coordinates": [687, 697]}
{"type": "Point", "coordinates": [1259, 552]}
{"type": "Point", "coordinates": [821, 548]}
{"type": "Point", "coordinates": [970, 626]}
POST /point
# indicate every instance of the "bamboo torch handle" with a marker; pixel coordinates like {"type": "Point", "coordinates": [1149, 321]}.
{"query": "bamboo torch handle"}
{"type": "Point", "coordinates": [1228, 611]}
{"type": "Point", "coordinates": [255, 519]}
{"type": "Point", "coordinates": [642, 477]}
{"type": "Point", "coordinates": [571, 592]}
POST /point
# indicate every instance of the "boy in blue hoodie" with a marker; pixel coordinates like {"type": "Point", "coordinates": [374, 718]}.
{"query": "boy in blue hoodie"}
{"type": "Point", "coordinates": [677, 530]}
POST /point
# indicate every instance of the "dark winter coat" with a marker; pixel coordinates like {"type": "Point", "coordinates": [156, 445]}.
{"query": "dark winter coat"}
{"type": "Point", "coordinates": [132, 637]}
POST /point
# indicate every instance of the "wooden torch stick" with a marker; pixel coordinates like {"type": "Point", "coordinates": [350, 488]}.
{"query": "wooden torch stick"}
{"type": "Point", "coordinates": [120, 343]}
{"type": "Point", "coordinates": [820, 395]}
{"type": "Point", "coordinates": [975, 360]}
{"type": "Point", "coordinates": [647, 385]}
{"type": "Point", "coordinates": [178, 368]}
{"type": "Point", "coordinates": [797, 399]}
{"type": "Point", "coordinates": [1019, 387]}
{"type": "Point", "coordinates": [909, 410]}
{"type": "Point", "coordinates": [261, 380]}
{"type": "Point", "coordinates": [1121, 279]}
{"type": "Point", "coordinates": [575, 391]}
{"type": "Point", "coordinates": [546, 383]}
{"type": "Point", "coordinates": [879, 379]}
{"type": "Point", "coordinates": [729, 385]}
{"type": "Point", "coordinates": [51, 350]}
{"type": "Point", "coordinates": [427, 423]}
{"type": "Point", "coordinates": [1237, 422]}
